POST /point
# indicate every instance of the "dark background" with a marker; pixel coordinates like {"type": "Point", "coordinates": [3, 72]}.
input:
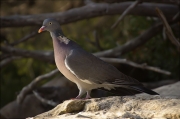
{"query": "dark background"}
{"type": "Point", "coordinates": [18, 70]}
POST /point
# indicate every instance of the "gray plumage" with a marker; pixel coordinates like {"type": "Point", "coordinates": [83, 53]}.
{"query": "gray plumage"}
{"type": "Point", "coordinates": [86, 70]}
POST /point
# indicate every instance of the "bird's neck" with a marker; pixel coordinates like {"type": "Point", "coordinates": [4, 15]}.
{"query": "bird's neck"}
{"type": "Point", "coordinates": [60, 41]}
{"type": "Point", "coordinates": [58, 35]}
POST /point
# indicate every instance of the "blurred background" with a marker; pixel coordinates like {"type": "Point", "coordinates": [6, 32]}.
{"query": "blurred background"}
{"type": "Point", "coordinates": [92, 30]}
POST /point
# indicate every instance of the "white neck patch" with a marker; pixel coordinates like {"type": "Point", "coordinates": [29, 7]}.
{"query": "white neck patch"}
{"type": "Point", "coordinates": [63, 39]}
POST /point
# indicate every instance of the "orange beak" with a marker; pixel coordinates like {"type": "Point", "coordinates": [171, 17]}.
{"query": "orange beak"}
{"type": "Point", "coordinates": [41, 29]}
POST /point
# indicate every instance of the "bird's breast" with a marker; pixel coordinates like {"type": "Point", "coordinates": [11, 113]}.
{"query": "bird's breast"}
{"type": "Point", "coordinates": [60, 52]}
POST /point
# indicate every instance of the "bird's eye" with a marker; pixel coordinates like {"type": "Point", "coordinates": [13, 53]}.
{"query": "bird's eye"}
{"type": "Point", "coordinates": [50, 23]}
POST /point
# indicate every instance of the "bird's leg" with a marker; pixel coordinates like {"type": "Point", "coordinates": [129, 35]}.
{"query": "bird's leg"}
{"type": "Point", "coordinates": [88, 95]}
{"type": "Point", "coordinates": [81, 93]}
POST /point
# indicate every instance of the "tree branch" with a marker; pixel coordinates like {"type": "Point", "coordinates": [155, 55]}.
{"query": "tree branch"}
{"type": "Point", "coordinates": [87, 2]}
{"type": "Point", "coordinates": [40, 55]}
{"type": "Point", "coordinates": [133, 5]}
{"type": "Point", "coordinates": [4, 56]}
{"type": "Point", "coordinates": [8, 60]}
{"type": "Point", "coordinates": [33, 84]}
{"type": "Point", "coordinates": [48, 58]}
{"type": "Point", "coordinates": [175, 2]}
{"type": "Point", "coordinates": [7, 57]}
{"type": "Point", "coordinates": [136, 42]}
{"type": "Point", "coordinates": [32, 34]}
{"type": "Point", "coordinates": [97, 43]}
{"type": "Point", "coordinates": [168, 29]}
{"type": "Point", "coordinates": [128, 46]}
{"type": "Point", "coordinates": [141, 66]}
{"type": "Point", "coordinates": [176, 16]}
{"type": "Point", "coordinates": [45, 101]}
{"type": "Point", "coordinates": [89, 11]}
{"type": "Point", "coordinates": [132, 44]}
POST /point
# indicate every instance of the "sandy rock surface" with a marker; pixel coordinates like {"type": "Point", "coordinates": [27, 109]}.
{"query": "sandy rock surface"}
{"type": "Point", "coordinates": [140, 106]}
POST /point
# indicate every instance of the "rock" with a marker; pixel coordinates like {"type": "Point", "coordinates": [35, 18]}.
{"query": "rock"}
{"type": "Point", "coordinates": [172, 90]}
{"type": "Point", "coordinates": [66, 107]}
{"type": "Point", "coordinates": [116, 107]}
{"type": "Point", "coordinates": [56, 90]}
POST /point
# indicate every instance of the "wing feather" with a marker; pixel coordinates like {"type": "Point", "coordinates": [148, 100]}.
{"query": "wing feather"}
{"type": "Point", "coordinates": [86, 66]}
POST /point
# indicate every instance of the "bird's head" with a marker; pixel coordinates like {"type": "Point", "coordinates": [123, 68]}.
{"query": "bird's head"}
{"type": "Point", "coordinates": [50, 25]}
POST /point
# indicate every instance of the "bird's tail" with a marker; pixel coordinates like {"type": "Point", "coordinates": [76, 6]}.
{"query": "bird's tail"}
{"type": "Point", "coordinates": [143, 89]}
{"type": "Point", "coordinates": [130, 90]}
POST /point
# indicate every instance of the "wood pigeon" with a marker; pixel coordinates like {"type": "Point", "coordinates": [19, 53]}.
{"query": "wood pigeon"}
{"type": "Point", "coordinates": [85, 69]}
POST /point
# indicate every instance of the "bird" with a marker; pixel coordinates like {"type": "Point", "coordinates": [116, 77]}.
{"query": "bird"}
{"type": "Point", "coordinates": [87, 71]}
